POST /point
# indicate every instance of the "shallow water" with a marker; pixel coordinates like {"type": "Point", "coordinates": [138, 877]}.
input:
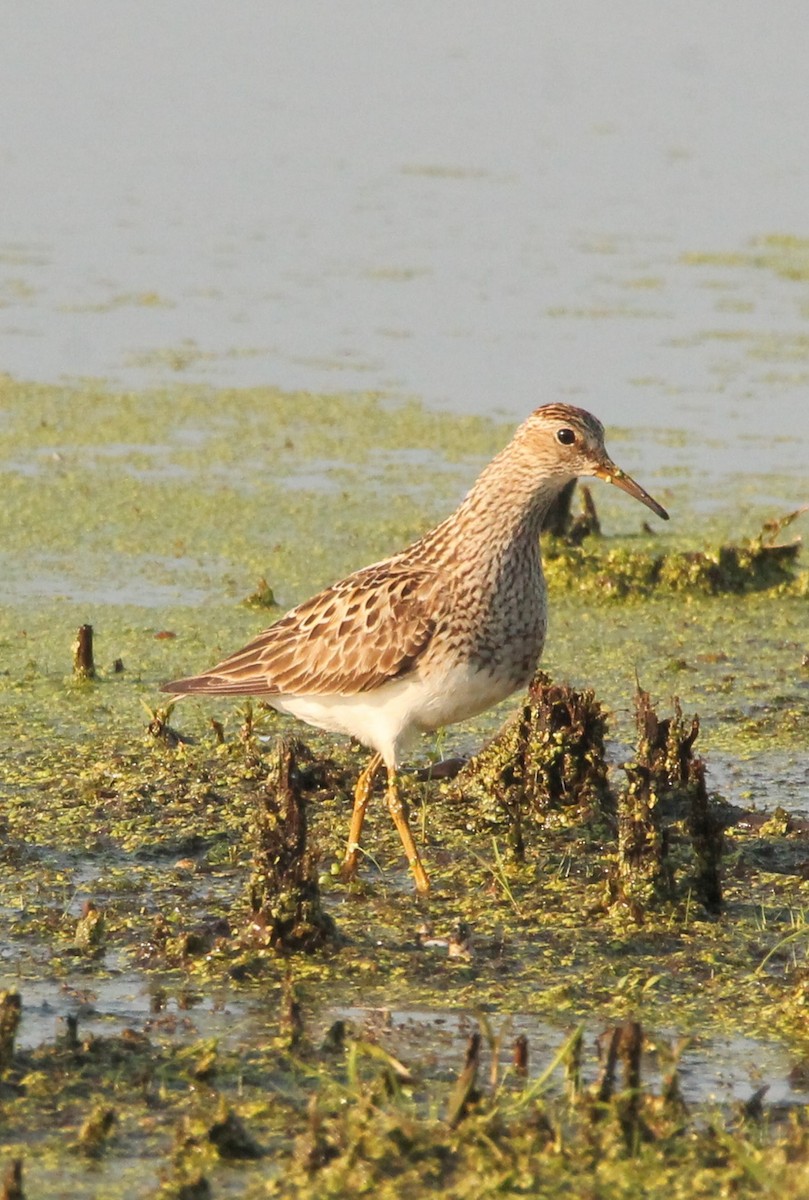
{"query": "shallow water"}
{"type": "Point", "coordinates": [431, 1042]}
{"type": "Point", "coordinates": [483, 211]}
{"type": "Point", "coordinates": [713, 1070]}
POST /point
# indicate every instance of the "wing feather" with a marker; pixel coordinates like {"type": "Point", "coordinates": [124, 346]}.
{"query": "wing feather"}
{"type": "Point", "coordinates": [356, 635]}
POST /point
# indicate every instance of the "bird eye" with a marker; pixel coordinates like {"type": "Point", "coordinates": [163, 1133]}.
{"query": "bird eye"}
{"type": "Point", "coordinates": [566, 436]}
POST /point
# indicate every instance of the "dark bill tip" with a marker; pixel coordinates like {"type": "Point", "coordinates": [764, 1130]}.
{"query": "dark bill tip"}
{"type": "Point", "coordinates": [626, 483]}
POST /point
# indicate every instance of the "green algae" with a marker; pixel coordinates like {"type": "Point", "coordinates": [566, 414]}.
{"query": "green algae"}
{"type": "Point", "coordinates": [127, 855]}
{"type": "Point", "coordinates": [755, 564]}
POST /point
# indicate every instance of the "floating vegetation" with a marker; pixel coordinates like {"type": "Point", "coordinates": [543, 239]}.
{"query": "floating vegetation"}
{"type": "Point", "coordinates": [756, 564]}
{"type": "Point", "coordinates": [784, 254]}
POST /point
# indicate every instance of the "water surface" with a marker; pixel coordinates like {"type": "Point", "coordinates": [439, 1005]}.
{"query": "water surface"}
{"type": "Point", "coordinates": [483, 208]}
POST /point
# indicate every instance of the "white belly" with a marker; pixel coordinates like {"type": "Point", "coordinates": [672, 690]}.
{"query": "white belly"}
{"type": "Point", "coordinates": [388, 718]}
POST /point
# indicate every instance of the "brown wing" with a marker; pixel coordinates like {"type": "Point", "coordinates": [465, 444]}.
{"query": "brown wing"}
{"type": "Point", "coordinates": [350, 638]}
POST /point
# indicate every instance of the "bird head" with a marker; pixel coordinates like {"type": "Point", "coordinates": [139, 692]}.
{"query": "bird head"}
{"type": "Point", "coordinates": [570, 443]}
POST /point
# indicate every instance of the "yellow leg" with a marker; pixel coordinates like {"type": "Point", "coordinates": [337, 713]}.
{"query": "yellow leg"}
{"type": "Point", "coordinates": [362, 794]}
{"type": "Point", "coordinates": [398, 810]}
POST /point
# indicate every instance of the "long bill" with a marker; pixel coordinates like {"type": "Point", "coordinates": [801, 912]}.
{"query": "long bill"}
{"type": "Point", "coordinates": [613, 474]}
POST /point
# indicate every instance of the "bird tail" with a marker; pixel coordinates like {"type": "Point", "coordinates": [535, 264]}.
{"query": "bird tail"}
{"type": "Point", "coordinates": [211, 684]}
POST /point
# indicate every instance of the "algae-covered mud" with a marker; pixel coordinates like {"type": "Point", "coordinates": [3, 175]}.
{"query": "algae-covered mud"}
{"type": "Point", "coordinates": [571, 1013]}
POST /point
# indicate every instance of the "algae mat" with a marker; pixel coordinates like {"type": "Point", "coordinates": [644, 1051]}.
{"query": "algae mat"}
{"type": "Point", "coordinates": [161, 1047]}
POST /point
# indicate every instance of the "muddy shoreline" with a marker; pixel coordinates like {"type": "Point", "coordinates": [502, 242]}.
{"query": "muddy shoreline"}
{"type": "Point", "coordinates": [163, 1041]}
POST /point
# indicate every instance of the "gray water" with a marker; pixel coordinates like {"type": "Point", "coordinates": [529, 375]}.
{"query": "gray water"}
{"type": "Point", "coordinates": [485, 206]}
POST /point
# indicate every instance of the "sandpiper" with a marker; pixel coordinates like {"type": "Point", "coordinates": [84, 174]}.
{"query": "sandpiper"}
{"type": "Point", "coordinates": [435, 634]}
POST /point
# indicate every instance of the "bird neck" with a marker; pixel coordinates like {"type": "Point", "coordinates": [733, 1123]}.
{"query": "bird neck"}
{"type": "Point", "coordinates": [511, 497]}
{"type": "Point", "coordinates": [504, 510]}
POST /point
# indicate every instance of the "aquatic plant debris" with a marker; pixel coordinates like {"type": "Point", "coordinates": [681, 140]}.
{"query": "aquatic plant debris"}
{"type": "Point", "coordinates": [12, 1181]}
{"type": "Point", "coordinates": [755, 564]}
{"type": "Point", "coordinates": [549, 765]}
{"type": "Point", "coordinates": [83, 662]}
{"type": "Point", "coordinates": [10, 1010]}
{"type": "Point", "coordinates": [285, 901]}
{"type": "Point", "coordinates": [670, 832]}
{"type": "Point", "coordinates": [548, 759]}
